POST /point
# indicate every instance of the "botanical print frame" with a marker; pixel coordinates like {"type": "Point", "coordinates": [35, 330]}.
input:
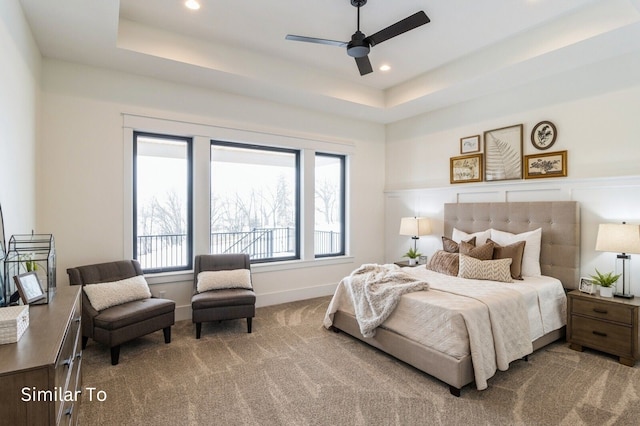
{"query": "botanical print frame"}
{"type": "Point", "coordinates": [587, 285]}
{"type": "Point", "coordinates": [29, 287]}
{"type": "Point", "coordinates": [470, 144]}
{"type": "Point", "coordinates": [466, 168]}
{"type": "Point", "coordinates": [545, 165]}
{"type": "Point", "coordinates": [544, 135]}
{"type": "Point", "coordinates": [503, 153]}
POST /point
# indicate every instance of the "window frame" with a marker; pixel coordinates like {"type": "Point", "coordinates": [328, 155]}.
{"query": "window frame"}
{"type": "Point", "coordinates": [297, 192]}
{"type": "Point", "coordinates": [343, 207]}
{"type": "Point", "coordinates": [189, 202]}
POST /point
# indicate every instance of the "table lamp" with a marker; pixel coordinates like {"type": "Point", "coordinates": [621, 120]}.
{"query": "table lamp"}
{"type": "Point", "coordinates": [415, 227]}
{"type": "Point", "coordinates": [623, 239]}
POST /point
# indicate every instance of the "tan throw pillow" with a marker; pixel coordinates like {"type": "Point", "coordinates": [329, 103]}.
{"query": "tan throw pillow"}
{"type": "Point", "coordinates": [494, 270]}
{"type": "Point", "coordinates": [513, 251]}
{"type": "Point", "coordinates": [444, 263]}
{"type": "Point", "coordinates": [483, 252]}
{"type": "Point", "coordinates": [451, 246]}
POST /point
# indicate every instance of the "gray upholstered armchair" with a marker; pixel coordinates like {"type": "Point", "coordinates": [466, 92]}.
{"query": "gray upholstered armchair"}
{"type": "Point", "coordinates": [225, 303]}
{"type": "Point", "coordinates": [124, 322]}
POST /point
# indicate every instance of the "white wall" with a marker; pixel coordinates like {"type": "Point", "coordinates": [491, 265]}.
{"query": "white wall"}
{"type": "Point", "coordinates": [597, 122]}
{"type": "Point", "coordinates": [82, 201]}
{"type": "Point", "coordinates": [19, 92]}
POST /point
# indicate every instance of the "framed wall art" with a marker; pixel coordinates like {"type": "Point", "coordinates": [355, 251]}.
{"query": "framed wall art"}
{"type": "Point", "coordinates": [466, 168]}
{"type": "Point", "coordinates": [470, 144]}
{"type": "Point", "coordinates": [503, 153]}
{"type": "Point", "coordinates": [545, 165]}
{"type": "Point", "coordinates": [544, 135]}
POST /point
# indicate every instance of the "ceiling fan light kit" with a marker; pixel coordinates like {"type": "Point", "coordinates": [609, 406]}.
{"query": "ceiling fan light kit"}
{"type": "Point", "coordinates": [360, 44]}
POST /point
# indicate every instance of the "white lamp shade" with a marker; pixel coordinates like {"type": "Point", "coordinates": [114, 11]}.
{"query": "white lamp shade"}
{"type": "Point", "coordinates": [618, 238]}
{"type": "Point", "coordinates": [415, 226]}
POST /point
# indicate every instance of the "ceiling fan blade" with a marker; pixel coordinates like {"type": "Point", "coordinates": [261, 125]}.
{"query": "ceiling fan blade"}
{"type": "Point", "coordinates": [316, 40]}
{"type": "Point", "coordinates": [400, 27]}
{"type": "Point", "coordinates": [364, 65]}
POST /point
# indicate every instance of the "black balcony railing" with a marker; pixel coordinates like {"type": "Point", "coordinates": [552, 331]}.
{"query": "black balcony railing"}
{"type": "Point", "coordinates": [170, 250]}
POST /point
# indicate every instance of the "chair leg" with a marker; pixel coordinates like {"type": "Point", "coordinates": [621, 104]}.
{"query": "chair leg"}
{"type": "Point", "coordinates": [198, 329]}
{"type": "Point", "coordinates": [115, 355]}
{"type": "Point", "coordinates": [85, 339]}
{"type": "Point", "coordinates": [167, 334]}
{"type": "Point", "coordinates": [249, 324]}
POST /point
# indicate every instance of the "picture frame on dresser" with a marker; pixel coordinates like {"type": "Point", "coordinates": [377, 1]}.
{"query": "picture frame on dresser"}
{"type": "Point", "coordinates": [29, 287]}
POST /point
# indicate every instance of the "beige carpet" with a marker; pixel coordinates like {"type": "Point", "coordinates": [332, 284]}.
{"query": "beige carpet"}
{"type": "Point", "coordinates": [291, 371]}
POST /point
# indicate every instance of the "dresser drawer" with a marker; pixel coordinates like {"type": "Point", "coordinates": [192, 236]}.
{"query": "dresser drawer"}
{"type": "Point", "coordinates": [607, 337]}
{"type": "Point", "coordinates": [607, 311]}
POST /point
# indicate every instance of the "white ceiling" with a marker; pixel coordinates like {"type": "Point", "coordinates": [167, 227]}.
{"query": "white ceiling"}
{"type": "Point", "coordinates": [471, 48]}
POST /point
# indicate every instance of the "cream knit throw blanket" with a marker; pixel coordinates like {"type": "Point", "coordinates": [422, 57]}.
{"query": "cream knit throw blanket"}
{"type": "Point", "coordinates": [376, 290]}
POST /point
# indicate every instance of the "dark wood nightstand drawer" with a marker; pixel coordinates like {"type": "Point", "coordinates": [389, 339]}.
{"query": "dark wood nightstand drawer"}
{"type": "Point", "coordinates": [611, 338]}
{"type": "Point", "coordinates": [607, 311]}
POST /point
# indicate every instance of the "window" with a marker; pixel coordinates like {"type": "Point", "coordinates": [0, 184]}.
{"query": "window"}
{"type": "Point", "coordinates": [162, 194]}
{"type": "Point", "coordinates": [329, 231]}
{"type": "Point", "coordinates": [255, 201]}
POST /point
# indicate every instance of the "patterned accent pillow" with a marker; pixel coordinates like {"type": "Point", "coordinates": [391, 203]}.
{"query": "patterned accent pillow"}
{"type": "Point", "coordinates": [514, 251]}
{"type": "Point", "coordinates": [451, 246]}
{"type": "Point", "coordinates": [483, 252]}
{"type": "Point", "coordinates": [444, 263]}
{"type": "Point", "coordinates": [494, 270]}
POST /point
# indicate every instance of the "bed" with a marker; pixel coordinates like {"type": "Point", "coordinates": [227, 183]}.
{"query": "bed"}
{"type": "Point", "coordinates": [559, 261]}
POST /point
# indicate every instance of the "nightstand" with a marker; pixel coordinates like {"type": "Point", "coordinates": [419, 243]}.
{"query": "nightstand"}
{"type": "Point", "coordinates": [606, 324]}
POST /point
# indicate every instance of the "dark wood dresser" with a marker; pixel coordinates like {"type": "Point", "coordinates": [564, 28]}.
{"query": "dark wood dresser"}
{"type": "Point", "coordinates": [41, 374]}
{"type": "Point", "coordinates": [607, 324]}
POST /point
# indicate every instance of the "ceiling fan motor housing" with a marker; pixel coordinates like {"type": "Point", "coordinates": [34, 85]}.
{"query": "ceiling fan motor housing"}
{"type": "Point", "coordinates": [358, 46]}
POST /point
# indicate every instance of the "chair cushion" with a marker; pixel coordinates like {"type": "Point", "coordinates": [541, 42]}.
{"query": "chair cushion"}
{"type": "Point", "coordinates": [222, 298]}
{"type": "Point", "coordinates": [133, 312]}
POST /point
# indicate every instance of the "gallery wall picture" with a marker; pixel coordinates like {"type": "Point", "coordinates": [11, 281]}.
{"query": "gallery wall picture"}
{"type": "Point", "coordinates": [466, 168]}
{"type": "Point", "coordinates": [545, 165]}
{"type": "Point", "coordinates": [503, 153]}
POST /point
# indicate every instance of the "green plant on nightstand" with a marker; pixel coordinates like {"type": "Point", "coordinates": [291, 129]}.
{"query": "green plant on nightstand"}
{"type": "Point", "coordinates": [413, 255]}
{"type": "Point", "coordinates": [605, 281]}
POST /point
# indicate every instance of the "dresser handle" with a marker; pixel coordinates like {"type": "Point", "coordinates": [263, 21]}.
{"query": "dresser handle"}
{"type": "Point", "coordinates": [77, 319]}
{"type": "Point", "coordinates": [67, 362]}
{"type": "Point", "coordinates": [599, 333]}
{"type": "Point", "coordinates": [69, 411]}
{"type": "Point", "coordinates": [600, 311]}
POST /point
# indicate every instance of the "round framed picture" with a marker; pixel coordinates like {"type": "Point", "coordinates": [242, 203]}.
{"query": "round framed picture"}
{"type": "Point", "coordinates": [544, 135]}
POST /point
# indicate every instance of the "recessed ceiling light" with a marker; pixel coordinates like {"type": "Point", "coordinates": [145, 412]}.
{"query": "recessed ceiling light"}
{"type": "Point", "coordinates": [385, 67]}
{"type": "Point", "coordinates": [192, 4]}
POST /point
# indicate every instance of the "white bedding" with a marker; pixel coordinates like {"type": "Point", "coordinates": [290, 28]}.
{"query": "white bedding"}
{"type": "Point", "coordinates": [436, 318]}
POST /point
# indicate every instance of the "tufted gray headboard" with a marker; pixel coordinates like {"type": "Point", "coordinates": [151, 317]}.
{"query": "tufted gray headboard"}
{"type": "Point", "coordinates": [559, 220]}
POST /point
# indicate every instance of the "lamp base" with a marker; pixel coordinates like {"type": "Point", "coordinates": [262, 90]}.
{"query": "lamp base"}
{"type": "Point", "coordinates": [623, 295]}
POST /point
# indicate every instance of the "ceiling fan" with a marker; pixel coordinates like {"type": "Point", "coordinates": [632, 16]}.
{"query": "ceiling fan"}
{"type": "Point", "coordinates": [360, 45]}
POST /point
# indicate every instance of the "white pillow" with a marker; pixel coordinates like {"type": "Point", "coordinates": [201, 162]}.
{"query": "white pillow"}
{"type": "Point", "coordinates": [494, 270]}
{"type": "Point", "coordinates": [481, 237]}
{"type": "Point", "coordinates": [217, 280]}
{"type": "Point", "coordinates": [106, 295]}
{"type": "Point", "coordinates": [531, 256]}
